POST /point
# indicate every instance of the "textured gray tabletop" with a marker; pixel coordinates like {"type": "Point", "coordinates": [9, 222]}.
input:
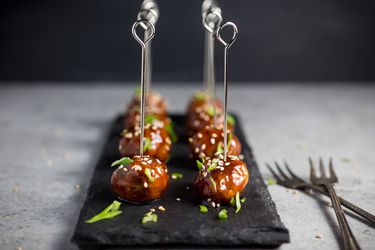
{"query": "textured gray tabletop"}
{"type": "Point", "coordinates": [51, 136]}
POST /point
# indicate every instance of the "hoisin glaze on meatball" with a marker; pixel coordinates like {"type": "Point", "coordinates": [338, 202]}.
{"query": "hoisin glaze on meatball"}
{"type": "Point", "coordinates": [143, 180]}
{"type": "Point", "coordinates": [157, 143]}
{"type": "Point", "coordinates": [219, 181]}
{"type": "Point", "coordinates": [207, 142]}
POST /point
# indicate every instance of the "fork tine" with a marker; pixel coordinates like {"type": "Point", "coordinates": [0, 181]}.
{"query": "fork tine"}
{"type": "Point", "coordinates": [312, 170]}
{"type": "Point", "coordinates": [281, 171]}
{"type": "Point", "coordinates": [274, 174]}
{"type": "Point", "coordinates": [321, 167]}
{"type": "Point", "coordinates": [331, 171]}
{"type": "Point", "coordinates": [291, 172]}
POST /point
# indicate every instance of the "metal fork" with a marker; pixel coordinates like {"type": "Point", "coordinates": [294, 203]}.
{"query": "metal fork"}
{"type": "Point", "coordinates": [295, 182]}
{"type": "Point", "coordinates": [327, 181]}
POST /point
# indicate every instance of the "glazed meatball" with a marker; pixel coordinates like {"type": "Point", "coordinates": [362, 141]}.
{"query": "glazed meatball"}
{"type": "Point", "coordinates": [157, 142]}
{"type": "Point", "coordinates": [204, 116]}
{"type": "Point", "coordinates": [140, 181]}
{"type": "Point", "coordinates": [155, 104]}
{"type": "Point", "coordinates": [209, 141]}
{"type": "Point", "coordinates": [219, 181]}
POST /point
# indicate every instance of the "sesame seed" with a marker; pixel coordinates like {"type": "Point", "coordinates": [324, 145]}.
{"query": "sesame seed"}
{"type": "Point", "coordinates": [145, 184]}
{"type": "Point", "coordinates": [209, 199]}
{"type": "Point", "coordinates": [152, 210]}
{"type": "Point", "coordinates": [203, 147]}
{"type": "Point", "coordinates": [154, 127]}
{"type": "Point", "coordinates": [213, 204]}
{"type": "Point", "coordinates": [196, 123]}
{"type": "Point", "coordinates": [212, 141]}
{"type": "Point", "coordinates": [128, 135]}
{"type": "Point", "coordinates": [319, 236]}
{"type": "Point", "coordinates": [199, 135]}
{"type": "Point", "coordinates": [196, 150]}
{"type": "Point", "coordinates": [137, 167]}
{"type": "Point", "coordinates": [178, 199]}
{"type": "Point", "coordinates": [227, 164]}
{"type": "Point", "coordinates": [149, 161]}
{"type": "Point", "coordinates": [125, 169]}
{"type": "Point", "coordinates": [161, 208]}
{"type": "Point", "coordinates": [190, 139]}
{"type": "Point", "coordinates": [168, 140]}
{"type": "Point", "coordinates": [121, 166]}
{"type": "Point", "coordinates": [187, 188]}
{"type": "Point", "coordinates": [214, 135]}
{"type": "Point", "coordinates": [174, 177]}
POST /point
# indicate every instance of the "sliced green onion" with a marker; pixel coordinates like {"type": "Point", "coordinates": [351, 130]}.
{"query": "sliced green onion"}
{"type": "Point", "coordinates": [148, 174]}
{"type": "Point", "coordinates": [123, 161]}
{"type": "Point", "coordinates": [243, 199]}
{"type": "Point", "coordinates": [210, 168]}
{"type": "Point", "coordinates": [147, 145]}
{"type": "Point", "coordinates": [199, 96]}
{"type": "Point", "coordinates": [203, 209]}
{"type": "Point", "coordinates": [149, 217]}
{"type": "Point", "coordinates": [199, 165]}
{"type": "Point", "coordinates": [213, 182]}
{"type": "Point", "coordinates": [219, 148]}
{"type": "Point", "coordinates": [210, 110]}
{"type": "Point", "coordinates": [271, 181]}
{"type": "Point", "coordinates": [177, 176]}
{"type": "Point", "coordinates": [232, 201]}
{"type": "Point", "coordinates": [223, 214]}
{"type": "Point", "coordinates": [109, 212]}
{"type": "Point", "coordinates": [150, 118]}
{"type": "Point", "coordinates": [231, 120]}
{"type": "Point", "coordinates": [238, 202]}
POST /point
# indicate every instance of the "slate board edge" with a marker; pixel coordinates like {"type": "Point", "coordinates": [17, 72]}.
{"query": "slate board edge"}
{"type": "Point", "coordinates": [282, 232]}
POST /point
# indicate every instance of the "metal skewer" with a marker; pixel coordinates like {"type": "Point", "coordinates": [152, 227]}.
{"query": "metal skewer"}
{"type": "Point", "coordinates": [143, 45]}
{"type": "Point", "coordinates": [149, 12]}
{"type": "Point", "coordinates": [226, 48]}
{"type": "Point", "coordinates": [211, 20]}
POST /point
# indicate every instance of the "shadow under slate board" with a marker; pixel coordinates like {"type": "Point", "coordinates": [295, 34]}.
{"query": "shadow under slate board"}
{"type": "Point", "coordinates": [182, 224]}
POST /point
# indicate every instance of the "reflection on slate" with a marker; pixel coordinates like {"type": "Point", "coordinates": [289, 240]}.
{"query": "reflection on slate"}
{"type": "Point", "coordinates": [257, 224]}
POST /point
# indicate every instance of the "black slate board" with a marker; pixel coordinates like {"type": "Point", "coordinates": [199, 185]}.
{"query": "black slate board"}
{"type": "Point", "coordinates": [257, 224]}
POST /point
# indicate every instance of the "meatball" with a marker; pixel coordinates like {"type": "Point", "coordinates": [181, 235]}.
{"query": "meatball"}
{"type": "Point", "coordinates": [157, 142]}
{"type": "Point", "coordinates": [155, 104]}
{"type": "Point", "coordinates": [141, 180]}
{"type": "Point", "coordinates": [204, 116]}
{"type": "Point", "coordinates": [219, 181]}
{"type": "Point", "coordinates": [209, 141]}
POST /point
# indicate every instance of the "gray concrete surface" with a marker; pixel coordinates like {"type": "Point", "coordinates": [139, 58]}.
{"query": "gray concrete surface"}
{"type": "Point", "coordinates": [51, 136]}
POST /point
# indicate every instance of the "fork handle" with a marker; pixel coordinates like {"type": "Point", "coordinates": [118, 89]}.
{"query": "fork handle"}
{"type": "Point", "coordinates": [368, 216]}
{"type": "Point", "coordinates": [350, 243]}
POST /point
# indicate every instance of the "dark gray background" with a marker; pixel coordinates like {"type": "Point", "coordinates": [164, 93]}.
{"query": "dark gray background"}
{"type": "Point", "coordinates": [86, 40]}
